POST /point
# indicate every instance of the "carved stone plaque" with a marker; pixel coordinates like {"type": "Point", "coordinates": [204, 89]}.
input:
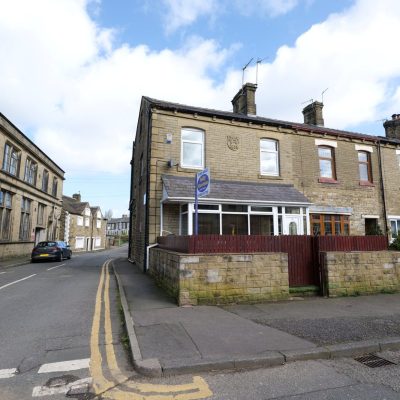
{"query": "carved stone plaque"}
{"type": "Point", "coordinates": [232, 142]}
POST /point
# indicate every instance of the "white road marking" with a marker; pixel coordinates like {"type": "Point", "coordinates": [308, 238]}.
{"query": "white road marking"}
{"type": "Point", "coordinates": [7, 373]}
{"type": "Point", "coordinates": [39, 391]}
{"type": "Point", "coordinates": [64, 366]}
{"type": "Point", "coordinates": [19, 280]}
{"type": "Point", "coordinates": [3, 272]}
{"type": "Point", "coordinates": [57, 266]}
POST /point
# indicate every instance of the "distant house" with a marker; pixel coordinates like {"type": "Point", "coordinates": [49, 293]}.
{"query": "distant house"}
{"type": "Point", "coordinates": [31, 187]}
{"type": "Point", "coordinates": [118, 226]}
{"type": "Point", "coordinates": [83, 226]}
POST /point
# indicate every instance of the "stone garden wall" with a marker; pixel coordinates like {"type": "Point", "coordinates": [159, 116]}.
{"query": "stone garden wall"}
{"type": "Point", "coordinates": [221, 279]}
{"type": "Point", "coordinates": [353, 273]}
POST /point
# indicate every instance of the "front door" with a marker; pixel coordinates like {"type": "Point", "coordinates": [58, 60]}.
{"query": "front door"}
{"type": "Point", "coordinates": [292, 225]}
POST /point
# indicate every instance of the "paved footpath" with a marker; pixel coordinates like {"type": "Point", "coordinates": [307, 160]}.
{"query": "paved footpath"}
{"type": "Point", "coordinates": [169, 340]}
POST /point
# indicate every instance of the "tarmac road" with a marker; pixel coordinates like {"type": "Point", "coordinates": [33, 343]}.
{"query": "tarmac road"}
{"type": "Point", "coordinates": [46, 315]}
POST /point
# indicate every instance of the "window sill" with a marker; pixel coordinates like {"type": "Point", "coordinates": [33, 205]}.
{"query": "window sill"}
{"type": "Point", "coordinates": [275, 177]}
{"type": "Point", "coordinates": [327, 180]}
{"type": "Point", "coordinates": [189, 169]}
{"type": "Point", "coordinates": [366, 183]}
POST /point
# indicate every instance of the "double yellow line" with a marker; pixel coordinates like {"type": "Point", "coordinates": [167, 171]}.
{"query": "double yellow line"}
{"type": "Point", "coordinates": [110, 382]}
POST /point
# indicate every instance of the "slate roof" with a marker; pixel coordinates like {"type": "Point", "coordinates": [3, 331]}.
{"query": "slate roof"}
{"type": "Point", "coordinates": [115, 220]}
{"type": "Point", "coordinates": [73, 206]}
{"type": "Point", "coordinates": [178, 187]}
{"type": "Point", "coordinates": [268, 121]}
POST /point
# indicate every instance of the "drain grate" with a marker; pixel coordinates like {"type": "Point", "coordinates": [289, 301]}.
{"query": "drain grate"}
{"type": "Point", "coordinates": [373, 361]}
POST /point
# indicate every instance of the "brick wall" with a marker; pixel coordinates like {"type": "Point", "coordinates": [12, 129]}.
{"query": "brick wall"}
{"type": "Point", "coordinates": [353, 273]}
{"type": "Point", "coordinates": [221, 279]}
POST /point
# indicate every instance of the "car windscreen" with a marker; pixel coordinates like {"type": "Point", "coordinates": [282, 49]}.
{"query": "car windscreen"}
{"type": "Point", "coordinates": [47, 244]}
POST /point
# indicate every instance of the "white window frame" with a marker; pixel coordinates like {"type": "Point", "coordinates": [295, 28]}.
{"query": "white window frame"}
{"type": "Point", "coordinates": [277, 212]}
{"type": "Point", "coordinates": [87, 222]}
{"type": "Point", "coordinates": [183, 165]}
{"type": "Point", "coordinates": [398, 157]}
{"type": "Point", "coordinates": [396, 220]}
{"type": "Point", "coordinates": [80, 239]}
{"type": "Point", "coordinates": [79, 220]}
{"type": "Point", "coordinates": [275, 152]}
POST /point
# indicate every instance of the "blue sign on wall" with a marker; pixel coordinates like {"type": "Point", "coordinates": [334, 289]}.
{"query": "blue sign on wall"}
{"type": "Point", "coordinates": [203, 183]}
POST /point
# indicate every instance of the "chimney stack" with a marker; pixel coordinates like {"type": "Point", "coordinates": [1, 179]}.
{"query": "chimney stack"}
{"type": "Point", "coordinates": [77, 196]}
{"type": "Point", "coordinates": [245, 100]}
{"type": "Point", "coordinates": [313, 114]}
{"type": "Point", "coordinates": [392, 127]}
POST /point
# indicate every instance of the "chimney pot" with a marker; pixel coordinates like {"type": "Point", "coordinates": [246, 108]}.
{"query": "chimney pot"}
{"type": "Point", "coordinates": [244, 101]}
{"type": "Point", "coordinates": [392, 127]}
{"type": "Point", "coordinates": [77, 196]}
{"type": "Point", "coordinates": [313, 114]}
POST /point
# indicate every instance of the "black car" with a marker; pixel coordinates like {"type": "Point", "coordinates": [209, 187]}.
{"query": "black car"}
{"type": "Point", "coordinates": [51, 250]}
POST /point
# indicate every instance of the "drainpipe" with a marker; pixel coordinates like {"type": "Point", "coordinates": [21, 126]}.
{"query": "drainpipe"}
{"type": "Point", "coordinates": [148, 254]}
{"type": "Point", "coordinates": [146, 230]}
{"type": "Point", "coordinates": [383, 190]}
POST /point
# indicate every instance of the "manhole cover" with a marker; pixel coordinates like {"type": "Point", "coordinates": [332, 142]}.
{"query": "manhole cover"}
{"type": "Point", "coordinates": [373, 361]}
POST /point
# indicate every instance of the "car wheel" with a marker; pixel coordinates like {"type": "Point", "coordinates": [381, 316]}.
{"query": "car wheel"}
{"type": "Point", "coordinates": [70, 255]}
{"type": "Point", "coordinates": [60, 257]}
{"type": "Point", "coordinates": [32, 260]}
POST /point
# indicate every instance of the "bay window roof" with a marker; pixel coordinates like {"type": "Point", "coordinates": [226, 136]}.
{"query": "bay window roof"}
{"type": "Point", "coordinates": [181, 189]}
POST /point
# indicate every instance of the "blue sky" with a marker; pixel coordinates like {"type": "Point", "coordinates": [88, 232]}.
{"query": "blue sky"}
{"type": "Point", "coordinates": [76, 69]}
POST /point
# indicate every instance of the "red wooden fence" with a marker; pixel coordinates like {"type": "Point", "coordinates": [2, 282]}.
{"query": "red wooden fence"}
{"type": "Point", "coordinates": [211, 244]}
{"type": "Point", "coordinates": [303, 251]}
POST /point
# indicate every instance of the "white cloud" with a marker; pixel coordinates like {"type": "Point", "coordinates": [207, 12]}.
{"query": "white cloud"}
{"type": "Point", "coordinates": [79, 95]}
{"type": "Point", "coordinates": [65, 80]}
{"type": "Point", "coordinates": [181, 13]}
{"type": "Point", "coordinates": [272, 8]}
{"type": "Point", "coordinates": [352, 53]}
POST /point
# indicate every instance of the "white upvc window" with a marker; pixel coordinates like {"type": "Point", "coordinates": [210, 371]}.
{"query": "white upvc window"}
{"type": "Point", "coordinates": [98, 223]}
{"type": "Point", "coordinates": [269, 157]}
{"type": "Point", "coordinates": [398, 157]}
{"type": "Point", "coordinates": [192, 148]}
{"type": "Point", "coordinates": [79, 220]}
{"type": "Point", "coordinates": [86, 221]}
{"type": "Point", "coordinates": [79, 242]}
{"type": "Point", "coordinates": [394, 226]}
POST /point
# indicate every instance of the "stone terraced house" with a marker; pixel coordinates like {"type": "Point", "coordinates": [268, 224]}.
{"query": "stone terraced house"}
{"type": "Point", "coordinates": [268, 176]}
{"type": "Point", "coordinates": [31, 186]}
{"type": "Point", "coordinates": [83, 226]}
